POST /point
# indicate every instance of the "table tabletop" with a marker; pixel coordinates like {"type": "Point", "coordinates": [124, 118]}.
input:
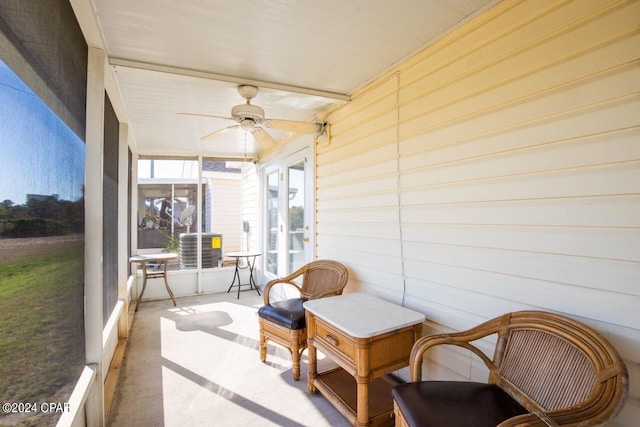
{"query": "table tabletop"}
{"type": "Point", "coordinates": [362, 315]}
{"type": "Point", "coordinates": [242, 254]}
{"type": "Point", "coordinates": [154, 257]}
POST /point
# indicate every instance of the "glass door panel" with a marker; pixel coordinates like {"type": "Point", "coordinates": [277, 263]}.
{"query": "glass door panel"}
{"type": "Point", "coordinates": [297, 238]}
{"type": "Point", "coordinates": [272, 222]}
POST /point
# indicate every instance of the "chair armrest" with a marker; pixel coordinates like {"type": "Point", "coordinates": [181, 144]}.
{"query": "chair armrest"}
{"type": "Point", "coordinates": [287, 280]}
{"type": "Point", "coordinates": [326, 294]}
{"type": "Point", "coordinates": [283, 281]}
{"type": "Point", "coordinates": [460, 339]}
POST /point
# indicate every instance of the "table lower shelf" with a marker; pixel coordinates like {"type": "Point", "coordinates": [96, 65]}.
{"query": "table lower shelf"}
{"type": "Point", "coordinates": [340, 389]}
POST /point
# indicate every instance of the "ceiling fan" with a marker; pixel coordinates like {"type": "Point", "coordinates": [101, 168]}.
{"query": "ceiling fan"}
{"type": "Point", "coordinates": [251, 119]}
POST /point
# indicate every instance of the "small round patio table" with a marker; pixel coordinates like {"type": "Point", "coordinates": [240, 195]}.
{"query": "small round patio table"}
{"type": "Point", "coordinates": [154, 266]}
{"type": "Point", "coordinates": [251, 262]}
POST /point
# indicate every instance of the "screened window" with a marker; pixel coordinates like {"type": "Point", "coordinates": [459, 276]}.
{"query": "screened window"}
{"type": "Point", "coordinates": [110, 211]}
{"type": "Point", "coordinates": [165, 212]}
{"type": "Point", "coordinates": [41, 252]}
{"type": "Point", "coordinates": [167, 204]}
{"type": "Point", "coordinates": [173, 216]}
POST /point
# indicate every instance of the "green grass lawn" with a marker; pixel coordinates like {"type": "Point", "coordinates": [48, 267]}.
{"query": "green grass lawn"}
{"type": "Point", "coordinates": [41, 327]}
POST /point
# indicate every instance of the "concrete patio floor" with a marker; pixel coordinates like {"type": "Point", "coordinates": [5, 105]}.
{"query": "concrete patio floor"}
{"type": "Point", "coordinates": [198, 364]}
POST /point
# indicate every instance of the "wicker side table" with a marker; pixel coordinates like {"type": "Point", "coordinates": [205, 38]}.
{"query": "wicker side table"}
{"type": "Point", "coordinates": [368, 338]}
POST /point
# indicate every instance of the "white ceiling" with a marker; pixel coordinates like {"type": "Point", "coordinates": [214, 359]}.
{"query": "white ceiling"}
{"type": "Point", "coordinates": [188, 56]}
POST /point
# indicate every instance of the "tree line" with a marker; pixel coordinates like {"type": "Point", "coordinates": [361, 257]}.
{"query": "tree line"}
{"type": "Point", "coordinates": [40, 217]}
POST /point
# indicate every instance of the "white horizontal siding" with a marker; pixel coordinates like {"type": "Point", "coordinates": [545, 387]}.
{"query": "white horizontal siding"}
{"type": "Point", "coordinates": [498, 170]}
{"type": "Point", "coordinates": [250, 208]}
{"type": "Point", "coordinates": [225, 213]}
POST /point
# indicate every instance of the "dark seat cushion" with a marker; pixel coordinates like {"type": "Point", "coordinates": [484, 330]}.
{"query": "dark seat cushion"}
{"type": "Point", "coordinates": [288, 313]}
{"type": "Point", "coordinates": [453, 403]}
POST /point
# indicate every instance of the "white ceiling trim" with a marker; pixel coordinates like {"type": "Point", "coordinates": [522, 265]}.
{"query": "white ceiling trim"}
{"type": "Point", "coordinates": [326, 96]}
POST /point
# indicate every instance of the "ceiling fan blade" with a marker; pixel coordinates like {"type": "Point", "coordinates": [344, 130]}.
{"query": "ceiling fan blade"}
{"type": "Point", "coordinates": [205, 115]}
{"type": "Point", "coordinates": [263, 138]}
{"type": "Point", "coordinates": [290, 125]}
{"type": "Point", "coordinates": [219, 132]}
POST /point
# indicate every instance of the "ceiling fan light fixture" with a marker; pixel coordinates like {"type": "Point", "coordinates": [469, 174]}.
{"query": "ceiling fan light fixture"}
{"type": "Point", "coordinates": [247, 125]}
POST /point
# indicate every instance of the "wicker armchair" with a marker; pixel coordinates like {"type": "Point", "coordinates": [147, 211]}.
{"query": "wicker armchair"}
{"type": "Point", "coordinates": [283, 322]}
{"type": "Point", "coordinates": [546, 370]}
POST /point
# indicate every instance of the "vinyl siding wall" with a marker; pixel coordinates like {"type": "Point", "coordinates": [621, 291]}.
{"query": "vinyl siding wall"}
{"type": "Point", "coordinates": [498, 170]}
{"type": "Point", "coordinates": [225, 215]}
{"type": "Point", "coordinates": [250, 207]}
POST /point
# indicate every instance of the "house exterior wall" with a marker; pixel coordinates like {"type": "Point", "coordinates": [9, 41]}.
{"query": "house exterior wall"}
{"type": "Point", "coordinates": [498, 170]}
{"type": "Point", "coordinates": [250, 210]}
{"type": "Point", "coordinates": [226, 210]}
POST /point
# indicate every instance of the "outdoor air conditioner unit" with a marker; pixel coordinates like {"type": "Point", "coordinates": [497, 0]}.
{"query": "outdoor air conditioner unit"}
{"type": "Point", "coordinates": [188, 250]}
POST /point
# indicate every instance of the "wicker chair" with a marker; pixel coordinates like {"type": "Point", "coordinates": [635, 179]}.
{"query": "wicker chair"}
{"type": "Point", "coordinates": [546, 370]}
{"type": "Point", "coordinates": [283, 322]}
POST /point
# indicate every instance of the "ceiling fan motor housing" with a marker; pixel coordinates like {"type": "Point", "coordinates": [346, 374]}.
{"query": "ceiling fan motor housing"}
{"type": "Point", "coordinates": [247, 111]}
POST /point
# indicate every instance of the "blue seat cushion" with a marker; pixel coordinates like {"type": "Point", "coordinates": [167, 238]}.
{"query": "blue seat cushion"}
{"type": "Point", "coordinates": [455, 403]}
{"type": "Point", "coordinates": [288, 313]}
